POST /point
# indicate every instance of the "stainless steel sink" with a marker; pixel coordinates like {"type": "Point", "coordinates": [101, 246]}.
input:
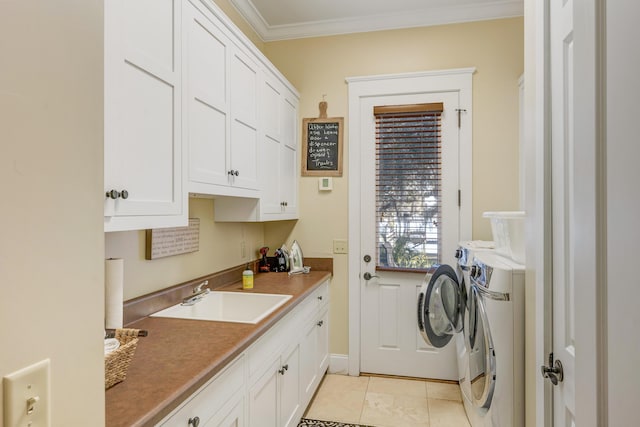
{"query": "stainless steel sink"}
{"type": "Point", "coordinates": [228, 307]}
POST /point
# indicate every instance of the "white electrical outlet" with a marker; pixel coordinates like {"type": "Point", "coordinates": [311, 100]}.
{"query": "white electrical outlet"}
{"type": "Point", "coordinates": [26, 396]}
{"type": "Point", "coordinates": [340, 246]}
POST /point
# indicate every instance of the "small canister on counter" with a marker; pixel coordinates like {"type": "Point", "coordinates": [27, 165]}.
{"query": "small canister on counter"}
{"type": "Point", "coordinates": [247, 279]}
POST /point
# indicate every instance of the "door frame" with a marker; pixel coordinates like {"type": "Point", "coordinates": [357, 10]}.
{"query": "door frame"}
{"type": "Point", "coordinates": [390, 84]}
{"type": "Point", "coordinates": [591, 375]}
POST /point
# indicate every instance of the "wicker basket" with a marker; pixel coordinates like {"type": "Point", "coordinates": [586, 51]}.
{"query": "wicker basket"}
{"type": "Point", "coordinates": [117, 362]}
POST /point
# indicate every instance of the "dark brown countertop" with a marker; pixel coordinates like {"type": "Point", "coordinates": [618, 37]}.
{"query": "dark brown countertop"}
{"type": "Point", "coordinates": [179, 356]}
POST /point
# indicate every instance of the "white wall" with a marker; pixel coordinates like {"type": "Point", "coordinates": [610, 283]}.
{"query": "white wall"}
{"type": "Point", "coordinates": [51, 247]}
{"type": "Point", "coordinates": [623, 209]}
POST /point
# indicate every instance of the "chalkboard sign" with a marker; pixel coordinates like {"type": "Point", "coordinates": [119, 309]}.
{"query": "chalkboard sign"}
{"type": "Point", "coordinates": [322, 146]}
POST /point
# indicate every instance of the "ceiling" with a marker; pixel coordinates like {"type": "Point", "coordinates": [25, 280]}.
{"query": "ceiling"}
{"type": "Point", "coordinates": [289, 19]}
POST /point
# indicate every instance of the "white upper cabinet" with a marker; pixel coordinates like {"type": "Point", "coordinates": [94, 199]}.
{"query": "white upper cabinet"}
{"type": "Point", "coordinates": [143, 173]}
{"type": "Point", "coordinates": [192, 107]}
{"type": "Point", "coordinates": [243, 87]}
{"type": "Point", "coordinates": [207, 102]}
{"type": "Point", "coordinates": [278, 165]}
{"type": "Point", "coordinates": [280, 198]}
{"type": "Point", "coordinates": [221, 93]}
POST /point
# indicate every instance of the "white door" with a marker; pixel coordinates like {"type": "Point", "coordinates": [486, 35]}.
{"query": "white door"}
{"type": "Point", "coordinates": [390, 340]}
{"type": "Point", "coordinates": [578, 217]}
{"type": "Point", "coordinates": [563, 208]}
{"type": "Point", "coordinates": [564, 153]}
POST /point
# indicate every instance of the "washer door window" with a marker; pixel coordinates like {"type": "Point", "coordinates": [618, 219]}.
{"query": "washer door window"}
{"type": "Point", "coordinates": [440, 306]}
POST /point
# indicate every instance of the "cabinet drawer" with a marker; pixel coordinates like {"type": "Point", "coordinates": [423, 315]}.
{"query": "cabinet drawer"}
{"type": "Point", "coordinates": [211, 397]}
{"type": "Point", "coordinates": [322, 294]}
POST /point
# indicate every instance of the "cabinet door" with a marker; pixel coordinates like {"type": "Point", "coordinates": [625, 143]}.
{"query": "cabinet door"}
{"type": "Point", "coordinates": [263, 398]}
{"type": "Point", "coordinates": [280, 170]}
{"type": "Point", "coordinates": [143, 141]}
{"type": "Point", "coordinates": [271, 96]}
{"type": "Point", "coordinates": [308, 362]}
{"type": "Point", "coordinates": [290, 388]}
{"type": "Point", "coordinates": [207, 103]}
{"type": "Point", "coordinates": [289, 155]}
{"type": "Point", "coordinates": [287, 181]}
{"type": "Point", "coordinates": [271, 157]}
{"type": "Point", "coordinates": [230, 416]}
{"type": "Point", "coordinates": [322, 348]}
{"type": "Point", "coordinates": [271, 164]}
{"type": "Point", "coordinates": [243, 91]}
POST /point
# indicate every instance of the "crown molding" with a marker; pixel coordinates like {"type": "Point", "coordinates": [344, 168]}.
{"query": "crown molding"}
{"type": "Point", "coordinates": [408, 19]}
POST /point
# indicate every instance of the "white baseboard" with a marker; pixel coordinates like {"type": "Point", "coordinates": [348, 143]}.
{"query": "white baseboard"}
{"type": "Point", "coordinates": [339, 364]}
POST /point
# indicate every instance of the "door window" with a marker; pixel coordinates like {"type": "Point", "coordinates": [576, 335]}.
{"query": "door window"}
{"type": "Point", "coordinates": [408, 186]}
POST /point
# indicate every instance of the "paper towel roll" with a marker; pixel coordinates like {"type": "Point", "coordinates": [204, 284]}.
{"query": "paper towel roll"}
{"type": "Point", "coordinates": [113, 292]}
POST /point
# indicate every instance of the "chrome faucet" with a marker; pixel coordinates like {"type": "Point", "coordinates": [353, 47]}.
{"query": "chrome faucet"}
{"type": "Point", "coordinates": [198, 293]}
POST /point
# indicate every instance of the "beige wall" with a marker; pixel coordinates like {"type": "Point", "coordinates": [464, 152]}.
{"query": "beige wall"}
{"type": "Point", "coordinates": [51, 163]}
{"type": "Point", "coordinates": [319, 66]}
{"type": "Point", "coordinates": [219, 249]}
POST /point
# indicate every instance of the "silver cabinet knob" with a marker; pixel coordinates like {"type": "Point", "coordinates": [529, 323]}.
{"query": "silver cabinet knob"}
{"type": "Point", "coordinates": [114, 194]}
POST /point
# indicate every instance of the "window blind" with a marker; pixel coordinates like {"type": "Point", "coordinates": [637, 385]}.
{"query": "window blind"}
{"type": "Point", "coordinates": [408, 185]}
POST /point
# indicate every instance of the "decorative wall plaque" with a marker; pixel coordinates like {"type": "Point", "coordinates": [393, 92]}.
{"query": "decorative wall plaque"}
{"type": "Point", "coordinates": [164, 242]}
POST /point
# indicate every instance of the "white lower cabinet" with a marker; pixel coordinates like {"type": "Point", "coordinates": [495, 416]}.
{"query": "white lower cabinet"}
{"type": "Point", "coordinates": [271, 383]}
{"type": "Point", "coordinates": [274, 399]}
{"type": "Point", "coordinates": [232, 415]}
{"type": "Point", "coordinates": [216, 402]}
{"type": "Point", "coordinates": [322, 348]}
{"type": "Point", "coordinates": [290, 403]}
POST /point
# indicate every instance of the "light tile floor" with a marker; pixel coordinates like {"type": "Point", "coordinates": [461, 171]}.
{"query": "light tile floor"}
{"type": "Point", "coordinates": [388, 402]}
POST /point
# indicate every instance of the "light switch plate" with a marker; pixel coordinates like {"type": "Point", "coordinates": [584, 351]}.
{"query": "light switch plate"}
{"type": "Point", "coordinates": [27, 396]}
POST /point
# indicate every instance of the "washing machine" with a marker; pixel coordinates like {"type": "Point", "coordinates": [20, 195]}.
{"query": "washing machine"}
{"type": "Point", "coordinates": [443, 310]}
{"type": "Point", "coordinates": [494, 339]}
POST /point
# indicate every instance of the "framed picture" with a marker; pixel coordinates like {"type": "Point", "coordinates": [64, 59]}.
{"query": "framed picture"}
{"type": "Point", "coordinates": [322, 146]}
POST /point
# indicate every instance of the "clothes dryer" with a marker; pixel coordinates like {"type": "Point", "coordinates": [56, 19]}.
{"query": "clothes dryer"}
{"type": "Point", "coordinates": [494, 338]}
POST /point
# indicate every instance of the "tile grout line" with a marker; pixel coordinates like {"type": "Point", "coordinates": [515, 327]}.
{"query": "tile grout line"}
{"type": "Point", "coordinates": [426, 393]}
{"type": "Point", "coordinates": [364, 400]}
